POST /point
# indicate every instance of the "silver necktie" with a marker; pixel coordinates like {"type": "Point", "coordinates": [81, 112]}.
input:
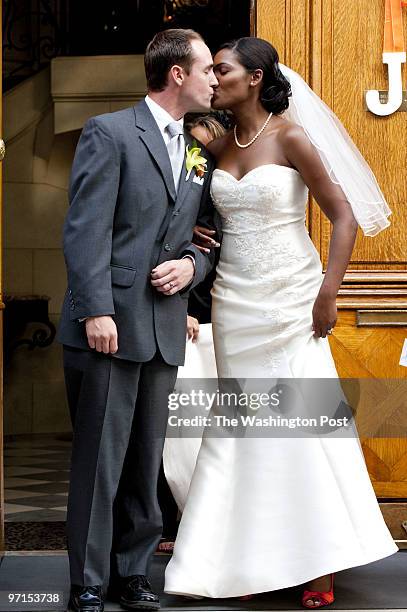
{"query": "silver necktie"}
{"type": "Point", "coordinates": [176, 150]}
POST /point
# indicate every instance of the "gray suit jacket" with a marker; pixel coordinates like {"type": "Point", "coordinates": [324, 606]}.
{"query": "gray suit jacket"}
{"type": "Point", "coordinates": [125, 218]}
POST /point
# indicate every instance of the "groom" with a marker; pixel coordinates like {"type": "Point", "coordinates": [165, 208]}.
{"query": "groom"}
{"type": "Point", "coordinates": [131, 265]}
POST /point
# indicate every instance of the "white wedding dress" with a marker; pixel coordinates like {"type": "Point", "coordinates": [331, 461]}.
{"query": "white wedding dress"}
{"type": "Point", "coordinates": [269, 513]}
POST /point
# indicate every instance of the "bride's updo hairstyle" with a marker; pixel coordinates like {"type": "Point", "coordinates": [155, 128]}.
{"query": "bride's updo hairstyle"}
{"type": "Point", "coordinates": [254, 53]}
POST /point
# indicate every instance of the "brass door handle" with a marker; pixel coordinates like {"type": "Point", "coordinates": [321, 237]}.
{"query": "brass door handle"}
{"type": "Point", "coordinates": [2, 149]}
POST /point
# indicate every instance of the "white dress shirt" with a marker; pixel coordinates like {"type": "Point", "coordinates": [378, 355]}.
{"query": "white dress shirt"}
{"type": "Point", "coordinates": [174, 138]}
{"type": "Point", "coordinates": [162, 118]}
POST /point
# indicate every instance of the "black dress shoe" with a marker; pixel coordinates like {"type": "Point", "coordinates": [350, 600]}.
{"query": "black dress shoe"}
{"type": "Point", "coordinates": [137, 594]}
{"type": "Point", "coordinates": [86, 599]}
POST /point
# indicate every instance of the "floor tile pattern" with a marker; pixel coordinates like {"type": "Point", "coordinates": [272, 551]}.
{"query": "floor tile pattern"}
{"type": "Point", "coordinates": [36, 479]}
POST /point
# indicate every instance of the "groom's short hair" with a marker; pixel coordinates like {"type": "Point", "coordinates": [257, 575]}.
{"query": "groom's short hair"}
{"type": "Point", "coordinates": [167, 49]}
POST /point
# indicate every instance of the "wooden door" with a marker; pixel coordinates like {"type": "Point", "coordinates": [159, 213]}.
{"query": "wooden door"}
{"type": "Point", "coordinates": [336, 45]}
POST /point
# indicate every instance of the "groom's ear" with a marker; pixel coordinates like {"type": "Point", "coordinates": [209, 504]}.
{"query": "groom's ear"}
{"type": "Point", "coordinates": [177, 74]}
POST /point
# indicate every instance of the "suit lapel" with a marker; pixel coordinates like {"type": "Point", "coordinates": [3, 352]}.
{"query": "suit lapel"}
{"type": "Point", "coordinates": [185, 185]}
{"type": "Point", "coordinates": [152, 138]}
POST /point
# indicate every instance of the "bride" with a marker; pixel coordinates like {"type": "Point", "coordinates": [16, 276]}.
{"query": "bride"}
{"type": "Point", "coordinates": [269, 513]}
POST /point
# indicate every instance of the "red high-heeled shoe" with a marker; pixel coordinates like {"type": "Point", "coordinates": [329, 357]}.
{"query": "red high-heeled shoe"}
{"type": "Point", "coordinates": [324, 599]}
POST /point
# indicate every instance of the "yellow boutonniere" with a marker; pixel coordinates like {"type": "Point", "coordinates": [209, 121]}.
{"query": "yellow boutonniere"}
{"type": "Point", "coordinates": [194, 160]}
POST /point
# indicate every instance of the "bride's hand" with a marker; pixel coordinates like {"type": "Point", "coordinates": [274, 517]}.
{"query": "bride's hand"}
{"type": "Point", "coordinates": [192, 328]}
{"type": "Point", "coordinates": [324, 315]}
{"type": "Point", "coordinates": [203, 239]}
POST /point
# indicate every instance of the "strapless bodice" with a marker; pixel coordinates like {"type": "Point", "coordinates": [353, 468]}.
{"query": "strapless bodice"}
{"type": "Point", "coordinates": [263, 220]}
{"type": "Point", "coordinates": [270, 194]}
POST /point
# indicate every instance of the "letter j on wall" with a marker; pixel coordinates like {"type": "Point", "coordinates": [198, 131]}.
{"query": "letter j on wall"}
{"type": "Point", "coordinates": [394, 55]}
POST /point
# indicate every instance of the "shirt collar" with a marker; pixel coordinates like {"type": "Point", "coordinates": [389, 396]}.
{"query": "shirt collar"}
{"type": "Point", "coordinates": [161, 116]}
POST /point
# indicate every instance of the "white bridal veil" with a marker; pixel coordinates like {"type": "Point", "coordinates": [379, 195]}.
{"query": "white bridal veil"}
{"type": "Point", "coordinates": [340, 156]}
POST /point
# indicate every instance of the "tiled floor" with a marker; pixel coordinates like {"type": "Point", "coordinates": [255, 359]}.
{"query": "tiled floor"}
{"type": "Point", "coordinates": [36, 472]}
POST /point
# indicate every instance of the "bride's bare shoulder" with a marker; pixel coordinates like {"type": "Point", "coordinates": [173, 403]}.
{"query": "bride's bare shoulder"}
{"type": "Point", "coordinates": [217, 146]}
{"type": "Point", "coordinates": [288, 131]}
{"type": "Point", "coordinates": [294, 141]}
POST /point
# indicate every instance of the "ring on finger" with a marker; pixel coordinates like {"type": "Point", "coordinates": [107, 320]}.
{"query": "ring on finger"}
{"type": "Point", "coordinates": [171, 284]}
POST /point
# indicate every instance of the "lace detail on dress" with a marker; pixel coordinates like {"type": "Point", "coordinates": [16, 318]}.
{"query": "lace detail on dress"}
{"type": "Point", "coordinates": [275, 317]}
{"type": "Point", "coordinates": [264, 248]}
{"type": "Point", "coordinates": [273, 360]}
{"type": "Point", "coordinates": [277, 324]}
{"type": "Point", "coordinates": [249, 218]}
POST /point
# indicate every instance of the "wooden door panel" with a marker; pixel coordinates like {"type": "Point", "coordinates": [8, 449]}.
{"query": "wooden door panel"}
{"type": "Point", "coordinates": [336, 45]}
{"type": "Point", "coordinates": [351, 62]}
{"type": "Point", "coordinates": [374, 353]}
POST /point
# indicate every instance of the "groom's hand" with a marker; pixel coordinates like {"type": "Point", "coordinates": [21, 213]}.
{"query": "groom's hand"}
{"type": "Point", "coordinates": [102, 334]}
{"type": "Point", "coordinates": [172, 276]}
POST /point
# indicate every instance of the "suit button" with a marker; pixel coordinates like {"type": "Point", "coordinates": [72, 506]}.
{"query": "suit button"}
{"type": "Point", "coordinates": [167, 247]}
{"type": "Point", "coordinates": [72, 306]}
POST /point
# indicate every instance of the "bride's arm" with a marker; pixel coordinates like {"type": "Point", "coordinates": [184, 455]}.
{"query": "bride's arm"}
{"type": "Point", "coordinates": [332, 201]}
{"type": "Point", "coordinates": [204, 237]}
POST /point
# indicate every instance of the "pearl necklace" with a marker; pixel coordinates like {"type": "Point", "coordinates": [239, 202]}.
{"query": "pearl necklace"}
{"type": "Point", "coordinates": [244, 146]}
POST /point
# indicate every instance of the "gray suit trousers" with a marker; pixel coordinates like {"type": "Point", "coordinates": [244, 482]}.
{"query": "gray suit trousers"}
{"type": "Point", "coordinates": [119, 412]}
